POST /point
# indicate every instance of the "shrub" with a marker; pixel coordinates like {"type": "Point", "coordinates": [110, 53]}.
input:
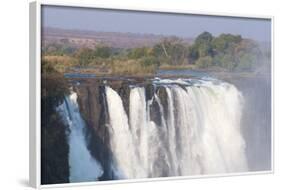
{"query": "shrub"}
{"type": "Point", "coordinates": [84, 56]}
{"type": "Point", "coordinates": [149, 61]}
{"type": "Point", "coordinates": [102, 52]}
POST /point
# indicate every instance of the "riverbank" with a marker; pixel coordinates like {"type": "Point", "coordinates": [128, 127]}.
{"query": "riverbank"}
{"type": "Point", "coordinates": [171, 73]}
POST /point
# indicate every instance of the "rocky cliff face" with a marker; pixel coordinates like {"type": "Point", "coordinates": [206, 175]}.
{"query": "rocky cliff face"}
{"type": "Point", "coordinates": [93, 108]}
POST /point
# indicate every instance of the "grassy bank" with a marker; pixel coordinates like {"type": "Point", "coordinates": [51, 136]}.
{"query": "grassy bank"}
{"type": "Point", "coordinates": [177, 67]}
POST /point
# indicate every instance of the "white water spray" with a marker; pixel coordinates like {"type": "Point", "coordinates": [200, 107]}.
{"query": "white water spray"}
{"type": "Point", "coordinates": [201, 134]}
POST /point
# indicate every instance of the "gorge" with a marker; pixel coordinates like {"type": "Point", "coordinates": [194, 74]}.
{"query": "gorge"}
{"type": "Point", "coordinates": [157, 127]}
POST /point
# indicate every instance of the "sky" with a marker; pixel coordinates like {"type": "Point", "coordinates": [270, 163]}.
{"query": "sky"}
{"type": "Point", "coordinates": [182, 25]}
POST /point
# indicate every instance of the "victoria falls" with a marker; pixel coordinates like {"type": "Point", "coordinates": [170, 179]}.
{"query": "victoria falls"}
{"type": "Point", "coordinates": [153, 96]}
{"type": "Point", "coordinates": [133, 128]}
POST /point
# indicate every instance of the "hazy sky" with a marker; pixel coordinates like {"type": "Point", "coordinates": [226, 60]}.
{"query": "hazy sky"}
{"type": "Point", "coordinates": [155, 23]}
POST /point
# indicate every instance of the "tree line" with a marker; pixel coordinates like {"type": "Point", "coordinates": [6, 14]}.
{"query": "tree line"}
{"type": "Point", "coordinates": [226, 51]}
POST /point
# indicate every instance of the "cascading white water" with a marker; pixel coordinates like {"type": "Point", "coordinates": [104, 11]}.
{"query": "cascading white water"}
{"type": "Point", "coordinates": [200, 134]}
{"type": "Point", "coordinates": [122, 140]}
{"type": "Point", "coordinates": [83, 167]}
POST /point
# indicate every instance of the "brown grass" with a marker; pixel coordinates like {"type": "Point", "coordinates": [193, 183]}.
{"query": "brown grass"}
{"type": "Point", "coordinates": [131, 67]}
{"type": "Point", "coordinates": [60, 63]}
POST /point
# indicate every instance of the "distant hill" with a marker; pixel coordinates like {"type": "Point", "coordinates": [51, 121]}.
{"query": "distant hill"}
{"type": "Point", "coordinates": [79, 38]}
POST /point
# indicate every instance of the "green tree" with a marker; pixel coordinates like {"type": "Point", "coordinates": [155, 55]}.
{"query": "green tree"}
{"type": "Point", "coordinates": [171, 50]}
{"type": "Point", "coordinates": [228, 62]}
{"type": "Point", "coordinates": [102, 52]}
{"type": "Point", "coordinates": [137, 53]}
{"type": "Point", "coordinates": [204, 62]}
{"type": "Point", "coordinates": [223, 42]}
{"type": "Point", "coordinates": [246, 62]}
{"type": "Point", "coordinates": [193, 54]}
{"type": "Point", "coordinates": [202, 47]}
{"type": "Point", "coordinates": [204, 38]}
{"type": "Point", "coordinates": [85, 56]}
{"type": "Point", "coordinates": [149, 61]}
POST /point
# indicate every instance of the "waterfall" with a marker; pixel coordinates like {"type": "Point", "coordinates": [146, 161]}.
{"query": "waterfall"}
{"type": "Point", "coordinates": [198, 132]}
{"type": "Point", "coordinates": [184, 127]}
{"type": "Point", "coordinates": [83, 167]}
{"type": "Point", "coordinates": [123, 144]}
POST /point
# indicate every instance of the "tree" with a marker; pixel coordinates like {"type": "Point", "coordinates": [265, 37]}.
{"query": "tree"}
{"type": "Point", "coordinates": [224, 41]}
{"type": "Point", "coordinates": [246, 62]}
{"type": "Point", "coordinates": [85, 56]}
{"type": "Point", "coordinates": [205, 37]}
{"type": "Point", "coordinates": [228, 62]}
{"type": "Point", "coordinates": [172, 50]}
{"type": "Point", "coordinates": [204, 62]}
{"type": "Point", "coordinates": [102, 52]}
{"type": "Point", "coordinates": [137, 53]}
{"type": "Point", "coordinates": [149, 61]}
{"type": "Point", "coordinates": [193, 54]}
{"type": "Point", "coordinates": [205, 49]}
{"type": "Point", "coordinates": [202, 47]}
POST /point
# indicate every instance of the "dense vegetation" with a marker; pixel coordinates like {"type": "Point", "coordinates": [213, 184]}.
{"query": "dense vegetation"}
{"type": "Point", "coordinates": [226, 52]}
{"type": "Point", "coordinates": [54, 144]}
